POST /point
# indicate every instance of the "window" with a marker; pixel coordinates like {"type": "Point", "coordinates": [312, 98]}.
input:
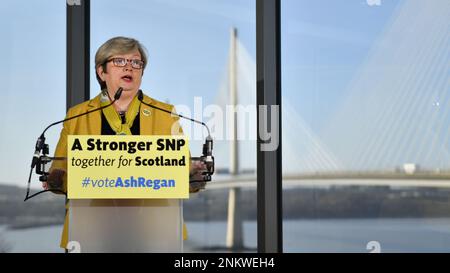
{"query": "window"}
{"type": "Point", "coordinates": [188, 44]}
{"type": "Point", "coordinates": [33, 96]}
{"type": "Point", "coordinates": [365, 126]}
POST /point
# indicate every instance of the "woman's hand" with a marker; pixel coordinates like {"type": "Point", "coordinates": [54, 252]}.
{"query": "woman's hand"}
{"type": "Point", "coordinates": [55, 180]}
{"type": "Point", "coordinates": [195, 174]}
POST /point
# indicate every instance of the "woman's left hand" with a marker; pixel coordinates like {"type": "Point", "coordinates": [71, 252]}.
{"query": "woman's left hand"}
{"type": "Point", "coordinates": [196, 174]}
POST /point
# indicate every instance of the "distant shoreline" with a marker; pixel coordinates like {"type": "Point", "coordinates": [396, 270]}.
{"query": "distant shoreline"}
{"type": "Point", "coordinates": [31, 225]}
{"type": "Point", "coordinates": [353, 202]}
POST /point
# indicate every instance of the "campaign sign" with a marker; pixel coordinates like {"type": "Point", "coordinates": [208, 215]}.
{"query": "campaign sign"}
{"type": "Point", "coordinates": [127, 167]}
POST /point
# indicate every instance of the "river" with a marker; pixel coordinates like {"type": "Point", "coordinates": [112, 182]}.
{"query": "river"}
{"type": "Point", "coordinates": [330, 235]}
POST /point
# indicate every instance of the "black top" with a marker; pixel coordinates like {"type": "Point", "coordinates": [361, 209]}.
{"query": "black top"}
{"type": "Point", "coordinates": [107, 130]}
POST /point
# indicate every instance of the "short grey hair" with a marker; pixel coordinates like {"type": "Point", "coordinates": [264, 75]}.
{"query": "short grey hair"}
{"type": "Point", "coordinates": [114, 46]}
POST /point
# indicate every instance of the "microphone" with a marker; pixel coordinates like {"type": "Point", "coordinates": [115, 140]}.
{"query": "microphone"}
{"type": "Point", "coordinates": [141, 99]}
{"type": "Point", "coordinates": [41, 146]}
{"type": "Point", "coordinates": [207, 156]}
{"type": "Point", "coordinates": [40, 143]}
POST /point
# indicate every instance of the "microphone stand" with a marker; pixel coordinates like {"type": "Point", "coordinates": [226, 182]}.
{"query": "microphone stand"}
{"type": "Point", "coordinates": [207, 156]}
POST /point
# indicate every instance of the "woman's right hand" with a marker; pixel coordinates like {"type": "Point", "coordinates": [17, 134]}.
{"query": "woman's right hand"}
{"type": "Point", "coordinates": [54, 180]}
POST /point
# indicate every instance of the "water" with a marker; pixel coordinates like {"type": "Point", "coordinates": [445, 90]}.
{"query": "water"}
{"type": "Point", "coordinates": [34, 240]}
{"type": "Point", "coordinates": [353, 235]}
{"type": "Point", "coordinates": [393, 235]}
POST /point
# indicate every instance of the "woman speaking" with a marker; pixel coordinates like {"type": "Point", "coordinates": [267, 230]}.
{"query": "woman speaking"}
{"type": "Point", "coordinates": [119, 63]}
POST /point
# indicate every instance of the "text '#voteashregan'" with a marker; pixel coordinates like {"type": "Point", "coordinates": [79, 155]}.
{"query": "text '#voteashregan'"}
{"type": "Point", "coordinates": [131, 182]}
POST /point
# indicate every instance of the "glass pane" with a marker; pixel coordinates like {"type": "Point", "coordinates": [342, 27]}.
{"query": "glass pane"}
{"type": "Point", "coordinates": [366, 125]}
{"type": "Point", "coordinates": [189, 44]}
{"type": "Point", "coordinates": [33, 80]}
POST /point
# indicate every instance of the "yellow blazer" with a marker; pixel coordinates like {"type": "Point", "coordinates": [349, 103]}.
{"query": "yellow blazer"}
{"type": "Point", "coordinates": [152, 122]}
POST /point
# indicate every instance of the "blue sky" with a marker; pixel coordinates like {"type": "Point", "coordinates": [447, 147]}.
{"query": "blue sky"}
{"type": "Point", "coordinates": [188, 41]}
{"type": "Point", "coordinates": [323, 44]}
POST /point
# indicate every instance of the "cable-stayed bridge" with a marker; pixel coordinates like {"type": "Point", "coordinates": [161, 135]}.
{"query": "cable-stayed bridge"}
{"type": "Point", "coordinates": [392, 128]}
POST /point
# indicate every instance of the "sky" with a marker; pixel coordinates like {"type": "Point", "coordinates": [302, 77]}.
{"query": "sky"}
{"type": "Point", "coordinates": [323, 44]}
